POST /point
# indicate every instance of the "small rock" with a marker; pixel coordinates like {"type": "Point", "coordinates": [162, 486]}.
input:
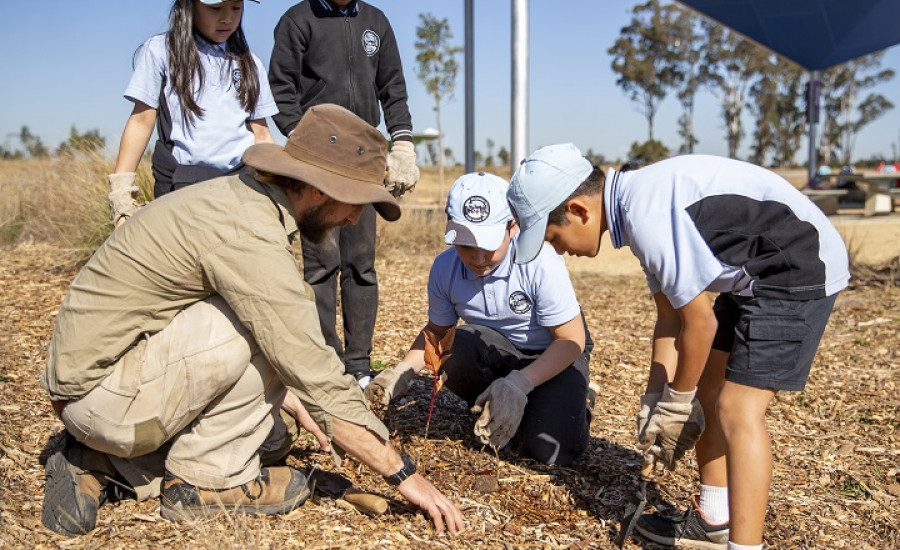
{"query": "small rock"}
{"type": "Point", "coordinates": [486, 484]}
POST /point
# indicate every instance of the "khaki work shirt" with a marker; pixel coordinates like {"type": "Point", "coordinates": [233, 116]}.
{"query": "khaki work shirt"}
{"type": "Point", "coordinates": [228, 236]}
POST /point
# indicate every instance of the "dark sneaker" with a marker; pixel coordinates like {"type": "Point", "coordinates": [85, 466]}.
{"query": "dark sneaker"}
{"type": "Point", "coordinates": [76, 481]}
{"type": "Point", "coordinates": [276, 490]}
{"type": "Point", "coordinates": [686, 530]}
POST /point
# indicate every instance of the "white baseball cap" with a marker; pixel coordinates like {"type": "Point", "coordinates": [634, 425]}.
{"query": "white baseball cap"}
{"type": "Point", "coordinates": [542, 182]}
{"type": "Point", "coordinates": [477, 211]}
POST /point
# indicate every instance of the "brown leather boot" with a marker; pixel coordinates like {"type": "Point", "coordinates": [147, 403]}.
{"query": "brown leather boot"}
{"type": "Point", "coordinates": [76, 481]}
{"type": "Point", "coordinates": [275, 491]}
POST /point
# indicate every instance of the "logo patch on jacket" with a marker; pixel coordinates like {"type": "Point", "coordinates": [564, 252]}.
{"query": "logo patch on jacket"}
{"type": "Point", "coordinates": [520, 302]}
{"type": "Point", "coordinates": [476, 209]}
{"type": "Point", "coordinates": [371, 42]}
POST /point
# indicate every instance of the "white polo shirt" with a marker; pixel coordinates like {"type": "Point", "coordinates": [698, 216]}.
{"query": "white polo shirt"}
{"type": "Point", "coordinates": [518, 301]}
{"type": "Point", "coordinates": [701, 222]}
{"type": "Point", "coordinates": [220, 137]}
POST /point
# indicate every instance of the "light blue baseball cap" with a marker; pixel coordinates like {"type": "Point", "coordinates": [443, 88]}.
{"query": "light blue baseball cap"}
{"type": "Point", "coordinates": [542, 182]}
{"type": "Point", "coordinates": [477, 211]}
{"type": "Point", "coordinates": [217, 2]}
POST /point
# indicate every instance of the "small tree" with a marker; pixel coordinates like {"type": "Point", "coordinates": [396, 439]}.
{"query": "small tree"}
{"type": "Point", "coordinates": [503, 155]}
{"type": "Point", "coordinates": [648, 152]}
{"type": "Point", "coordinates": [33, 144]}
{"type": "Point", "coordinates": [87, 142]}
{"type": "Point", "coordinates": [489, 160]}
{"type": "Point", "coordinates": [437, 68]}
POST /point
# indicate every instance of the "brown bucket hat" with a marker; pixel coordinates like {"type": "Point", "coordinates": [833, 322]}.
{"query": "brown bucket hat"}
{"type": "Point", "coordinates": [336, 152]}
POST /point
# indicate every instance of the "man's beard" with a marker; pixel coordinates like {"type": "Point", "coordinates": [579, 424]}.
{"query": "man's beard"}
{"type": "Point", "coordinates": [313, 225]}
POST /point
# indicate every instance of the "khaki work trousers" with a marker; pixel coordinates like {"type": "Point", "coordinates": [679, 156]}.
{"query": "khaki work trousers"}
{"type": "Point", "coordinates": [197, 398]}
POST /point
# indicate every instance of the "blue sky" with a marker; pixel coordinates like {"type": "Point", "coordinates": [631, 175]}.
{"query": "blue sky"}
{"type": "Point", "coordinates": [68, 62]}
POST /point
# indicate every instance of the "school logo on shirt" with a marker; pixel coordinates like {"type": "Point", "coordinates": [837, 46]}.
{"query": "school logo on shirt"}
{"type": "Point", "coordinates": [476, 209]}
{"type": "Point", "coordinates": [370, 42]}
{"type": "Point", "coordinates": [520, 302]}
{"type": "Point", "coordinates": [236, 78]}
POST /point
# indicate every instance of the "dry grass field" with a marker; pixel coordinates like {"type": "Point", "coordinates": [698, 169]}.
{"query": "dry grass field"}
{"type": "Point", "coordinates": [837, 476]}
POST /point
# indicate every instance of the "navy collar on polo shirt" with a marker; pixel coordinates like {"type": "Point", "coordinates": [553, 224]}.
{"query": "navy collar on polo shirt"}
{"type": "Point", "coordinates": [330, 10]}
{"type": "Point", "coordinates": [612, 202]}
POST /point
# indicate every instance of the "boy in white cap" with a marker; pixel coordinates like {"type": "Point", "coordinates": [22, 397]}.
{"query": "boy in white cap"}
{"type": "Point", "coordinates": [702, 224]}
{"type": "Point", "coordinates": [521, 359]}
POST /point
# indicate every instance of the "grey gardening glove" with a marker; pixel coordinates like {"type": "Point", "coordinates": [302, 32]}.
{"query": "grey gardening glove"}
{"type": "Point", "coordinates": [501, 407]}
{"type": "Point", "coordinates": [674, 425]}
{"type": "Point", "coordinates": [392, 383]}
{"type": "Point", "coordinates": [122, 197]}
{"type": "Point", "coordinates": [403, 174]}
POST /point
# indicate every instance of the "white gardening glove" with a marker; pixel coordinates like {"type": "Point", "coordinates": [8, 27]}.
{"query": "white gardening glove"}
{"type": "Point", "coordinates": [122, 197]}
{"type": "Point", "coordinates": [390, 383]}
{"type": "Point", "coordinates": [674, 426]}
{"type": "Point", "coordinates": [648, 402]}
{"type": "Point", "coordinates": [501, 407]}
{"type": "Point", "coordinates": [403, 174]}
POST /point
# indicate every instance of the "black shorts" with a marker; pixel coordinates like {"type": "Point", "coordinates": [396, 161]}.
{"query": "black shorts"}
{"type": "Point", "coordinates": [772, 342]}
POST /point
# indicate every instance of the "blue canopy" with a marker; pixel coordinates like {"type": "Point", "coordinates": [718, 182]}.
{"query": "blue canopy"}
{"type": "Point", "coordinates": [816, 34]}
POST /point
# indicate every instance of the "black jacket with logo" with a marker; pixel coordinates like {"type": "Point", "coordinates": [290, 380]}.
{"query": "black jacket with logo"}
{"type": "Point", "coordinates": [324, 56]}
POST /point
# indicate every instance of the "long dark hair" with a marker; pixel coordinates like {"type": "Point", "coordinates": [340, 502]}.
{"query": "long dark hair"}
{"type": "Point", "coordinates": [184, 61]}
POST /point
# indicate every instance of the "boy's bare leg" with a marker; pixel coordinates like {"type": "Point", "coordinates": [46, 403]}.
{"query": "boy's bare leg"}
{"type": "Point", "coordinates": [741, 415]}
{"type": "Point", "coordinates": [711, 447]}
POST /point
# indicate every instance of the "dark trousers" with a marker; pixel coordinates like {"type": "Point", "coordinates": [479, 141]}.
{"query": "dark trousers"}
{"type": "Point", "coordinates": [349, 253]}
{"type": "Point", "coordinates": [554, 428]}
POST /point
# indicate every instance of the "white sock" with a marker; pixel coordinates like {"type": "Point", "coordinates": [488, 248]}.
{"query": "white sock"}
{"type": "Point", "coordinates": [714, 504]}
{"type": "Point", "coordinates": [736, 546]}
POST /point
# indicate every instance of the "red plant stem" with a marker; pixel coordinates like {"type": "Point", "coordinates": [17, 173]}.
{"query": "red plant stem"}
{"type": "Point", "coordinates": [434, 390]}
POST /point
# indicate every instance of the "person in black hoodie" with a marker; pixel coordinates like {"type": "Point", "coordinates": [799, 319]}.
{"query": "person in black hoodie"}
{"type": "Point", "coordinates": [344, 52]}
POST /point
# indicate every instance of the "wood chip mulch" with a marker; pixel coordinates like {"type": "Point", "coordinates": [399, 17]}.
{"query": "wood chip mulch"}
{"type": "Point", "coordinates": [837, 460]}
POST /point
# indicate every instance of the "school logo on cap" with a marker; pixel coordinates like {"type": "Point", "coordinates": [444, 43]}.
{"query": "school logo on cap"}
{"type": "Point", "coordinates": [476, 209]}
{"type": "Point", "coordinates": [370, 42]}
{"type": "Point", "coordinates": [520, 302]}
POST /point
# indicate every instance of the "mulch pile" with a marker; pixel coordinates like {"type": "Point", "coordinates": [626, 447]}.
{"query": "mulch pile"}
{"type": "Point", "coordinates": [836, 482]}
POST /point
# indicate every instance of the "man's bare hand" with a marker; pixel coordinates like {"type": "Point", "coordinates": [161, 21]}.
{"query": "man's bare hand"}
{"type": "Point", "coordinates": [426, 496]}
{"type": "Point", "coordinates": [296, 409]}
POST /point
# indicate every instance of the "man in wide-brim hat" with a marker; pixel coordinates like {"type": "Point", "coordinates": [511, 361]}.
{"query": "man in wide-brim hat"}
{"type": "Point", "coordinates": [191, 326]}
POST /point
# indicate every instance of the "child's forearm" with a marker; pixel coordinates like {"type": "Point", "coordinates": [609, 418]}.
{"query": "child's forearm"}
{"type": "Point", "coordinates": [555, 359]}
{"type": "Point", "coordinates": [698, 328]}
{"type": "Point", "coordinates": [260, 129]}
{"type": "Point", "coordinates": [568, 344]}
{"type": "Point", "coordinates": [135, 138]}
{"type": "Point", "coordinates": [664, 354]}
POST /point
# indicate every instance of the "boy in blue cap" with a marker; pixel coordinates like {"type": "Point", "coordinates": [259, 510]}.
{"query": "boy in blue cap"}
{"type": "Point", "coordinates": [521, 359]}
{"type": "Point", "coordinates": [701, 224]}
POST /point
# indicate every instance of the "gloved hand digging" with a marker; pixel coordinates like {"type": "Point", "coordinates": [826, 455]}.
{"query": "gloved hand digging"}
{"type": "Point", "coordinates": [403, 174]}
{"type": "Point", "coordinates": [674, 425]}
{"type": "Point", "coordinates": [501, 407]}
{"type": "Point", "coordinates": [392, 382]}
{"type": "Point", "coordinates": [122, 197]}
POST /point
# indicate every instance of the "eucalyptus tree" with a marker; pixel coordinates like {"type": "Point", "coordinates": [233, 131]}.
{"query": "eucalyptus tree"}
{"type": "Point", "coordinates": [847, 105]}
{"type": "Point", "coordinates": [437, 68]}
{"type": "Point", "coordinates": [643, 59]}
{"type": "Point", "coordinates": [688, 40]}
{"type": "Point", "coordinates": [732, 63]}
{"type": "Point", "coordinates": [777, 106]}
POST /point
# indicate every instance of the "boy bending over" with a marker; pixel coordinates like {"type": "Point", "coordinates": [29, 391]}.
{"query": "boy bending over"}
{"type": "Point", "coordinates": [702, 224]}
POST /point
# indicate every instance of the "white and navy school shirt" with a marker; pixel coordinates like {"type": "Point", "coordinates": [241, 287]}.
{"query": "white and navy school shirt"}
{"type": "Point", "coordinates": [705, 223]}
{"type": "Point", "coordinates": [518, 301]}
{"type": "Point", "coordinates": [219, 138]}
